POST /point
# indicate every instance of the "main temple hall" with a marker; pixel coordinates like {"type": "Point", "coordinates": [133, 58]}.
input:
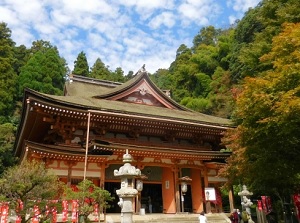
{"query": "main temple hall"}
{"type": "Point", "coordinates": [85, 133]}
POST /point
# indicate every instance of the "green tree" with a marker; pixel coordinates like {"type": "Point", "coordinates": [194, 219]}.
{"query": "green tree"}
{"type": "Point", "coordinates": [267, 114]}
{"type": "Point", "coordinates": [183, 55]}
{"type": "Point", "coordinates": [7, 139]}
{"type": "Point", "coordinates": [162, 79]}
{"type": "Point", "coordinates": [117, 75]}
{"type": "Point", "coordinates": [190, 75]}
{"type": "Point", "coordinates": [196, 104]}
{"type": "Point", "coordinates": [81, 66]}
{"type": "Point", "coordinates": [129, 75]}
{"type": "Point", "coordinates": [99, 70]}
{"type": "Point", "coordinates": [243, 61]}
{"type": "Point", "coordinates": [220, 96]}
{"type": "Point", "coordinates": [41, 46]}
{"type": "Point", "coordinates": [34, 185]}
{"type": "Point", "coordinates": [254, 35]}
{"type": "Point", "coordinates": [207, 36]}
{"type": "Point", "coordinates": [248, 26]}
{"type": "Point", "coordinates": [88, 195]}
{"type": "Point", "coordinates": [205, 59]}
{"type": "Point", "coordinates": [225, 47]}
{"type": "Point", "coordinates": [21, 54]}
{"type": "Point", "coordinates": [45, 71]}
{"type": "Point", "coordinates": [7, 75]}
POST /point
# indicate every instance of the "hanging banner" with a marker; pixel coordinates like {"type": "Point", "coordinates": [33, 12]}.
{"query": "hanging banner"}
{"type": "Point", "coordinates": [74, 211]}
{"type": "Point", "coordinates": [47, 212]}
{"type": "Point", "coordinates": [36, 213]}
{"type": "Point", "coordinates": [269, 204]}
{"type": "Point", "coordinates": [18, 219]}
{"type": "Point", "coordinates": [1, 204]}
{"type": "Point", "coordinates": [65, 211]}
{"type": "Point", "coordinates": [264, 203]}
{"type": "Point", "coordinates": [96, 210]}
{"type": "Point", "coordinates": [21, 205]}
{"type": "Point", "coordinates": [296, 198]}
{"type": "Point", "coordinates": [4, 213]}
{"type": "Point", "coordinates": [259, 205]}
{"type": "Point", "coordinates": [18, 209]}
{"type": "Point", "coordinates": [54, 215]}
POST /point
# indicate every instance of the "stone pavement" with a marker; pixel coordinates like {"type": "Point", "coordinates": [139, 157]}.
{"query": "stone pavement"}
{"type": "Point", "coordinates": [170, 218]}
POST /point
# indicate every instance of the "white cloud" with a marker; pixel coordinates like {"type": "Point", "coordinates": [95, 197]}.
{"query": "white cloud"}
{"type": "Point", "coordinates": [198, 11]}
{"type": "Point", "coordinates": [87, 7]}
{"type": "Point", "coordinates": [22, 37]}
{"type": "Point", "coordinates": [242, 5]}
{"type": "Point", "coordinates": [60, 18]}
{"type": "Point", "coordinates": [95, 40]}
{"type": "Point", "coordinates": [232, 19]}
{"type": "Point", "coordinates": [122, 33]}
{"type": "Point", "coordinates": [8, 15]}
{"type": "Point", "coordinates": [167, 19]}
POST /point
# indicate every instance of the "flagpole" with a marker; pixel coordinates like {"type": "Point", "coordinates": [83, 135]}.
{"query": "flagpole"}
{"type": "Point", "coordinates": [87, 145]}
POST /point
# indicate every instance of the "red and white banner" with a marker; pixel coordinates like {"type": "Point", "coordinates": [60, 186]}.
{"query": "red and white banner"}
{"type": "Point", "coordinates": [51, 210]}
{"type": "Point", "coordinates": [259, 205]}
{"type": "Point", "coordinates": [96, 210]}
{"type": "Point", "coordinates": [65, 211]}
{"type": "Point", "coordinates": [18, 219]}
{"type": "Point", "coordinates": [74, 211]}
{"type": "Point", "coordinates": [4, 213]}
{"type": "Point", "coordinates": [36, 214]}
{"type": "Point", "coordinates": [266, 204]}
{"type": "Point", "coordinates": [54, 215]}
{"type": "Point", "coordinates": [296, 198]}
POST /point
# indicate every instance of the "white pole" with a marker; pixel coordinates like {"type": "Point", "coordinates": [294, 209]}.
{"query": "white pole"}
{"type": "Point", "coordinates": [87, 144]}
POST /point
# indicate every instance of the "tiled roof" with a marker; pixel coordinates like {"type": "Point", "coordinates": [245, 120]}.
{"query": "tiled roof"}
{"type": "Point", "coordinates": [131, 108]}
{"type": "Point", "coordinates": [93, 94]}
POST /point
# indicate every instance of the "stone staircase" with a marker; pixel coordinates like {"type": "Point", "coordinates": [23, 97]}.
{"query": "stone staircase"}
{"type": "Point", "coordinates": [171, 218]}
{"type": "Point", "coordinates": [218, 218]}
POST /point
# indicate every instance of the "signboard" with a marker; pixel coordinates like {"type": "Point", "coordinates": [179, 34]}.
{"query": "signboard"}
{"type": "Point", "coordinates": [210, 194]}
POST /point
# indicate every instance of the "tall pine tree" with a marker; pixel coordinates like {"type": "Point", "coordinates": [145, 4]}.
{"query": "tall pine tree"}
{"type": "Point", "coordinates": [7, 75]}
{"type": "Point", "coordinates": [99, 70]}
{"type": "Point", "coordinates": [45, 71]}
{"type": "Point", "coordinates": [81, 66]}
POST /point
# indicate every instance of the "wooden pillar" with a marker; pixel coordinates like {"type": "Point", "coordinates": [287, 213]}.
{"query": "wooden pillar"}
{"type": "Point", "coordinates": [102, 174]}
{"type": "Point", "coordinates": [70, 165]}
{"type": "Point", "coordinates": [207, 203]}
{"type": "Point", "coordinates": [168, 191]}
{"type": "Point", "coordinates": [231, 200]}
{"type": "Point", "coordinates": [176, 187]}
{"type": "Point", "coordinates": [69, 176]}
{"type": "Point", "coordinates": [197, 191]}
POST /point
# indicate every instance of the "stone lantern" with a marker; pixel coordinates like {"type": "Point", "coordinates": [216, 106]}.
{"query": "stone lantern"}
{"type": "Point", "coordinates": [127, 192]}
{"type": "Point", "coordinates": [246, 202]}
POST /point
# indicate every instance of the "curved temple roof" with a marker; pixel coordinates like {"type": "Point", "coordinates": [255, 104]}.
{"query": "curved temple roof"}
{"type": "Point", "coordinates": [139, 100]}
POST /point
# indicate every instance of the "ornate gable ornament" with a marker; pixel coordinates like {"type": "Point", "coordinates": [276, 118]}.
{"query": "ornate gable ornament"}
{"type": "Point", "coordinates": [141, 90]}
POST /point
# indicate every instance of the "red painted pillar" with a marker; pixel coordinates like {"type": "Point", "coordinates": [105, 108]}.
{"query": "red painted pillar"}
{"type": "Point", "coordinates": [168, 191]}
{"type": "Point", "coordinates": [197, 189]}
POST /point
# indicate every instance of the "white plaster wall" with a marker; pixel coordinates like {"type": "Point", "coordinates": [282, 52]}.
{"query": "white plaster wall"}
{"type": "Point", "coordinates": [217, 179]}
{"type": "Point", "coordinates": [60, 172]}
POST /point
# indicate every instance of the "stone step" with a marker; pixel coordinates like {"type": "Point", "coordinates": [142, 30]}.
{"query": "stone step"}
{"type": "Point", "coordinates": [177, 218]}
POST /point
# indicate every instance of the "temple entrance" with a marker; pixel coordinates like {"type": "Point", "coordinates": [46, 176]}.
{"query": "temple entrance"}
{"type": "Point", "coordinates": [187, 200]}
{"type": "Point", "coordinates": [112, 187]}
{"type": "Point", "coordinates": [152, 198]}
{"type": "Point", "coordinates": [154, 191]}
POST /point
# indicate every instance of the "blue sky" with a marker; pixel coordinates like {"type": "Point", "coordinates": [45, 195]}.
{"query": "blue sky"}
{"type": "Point", "coordinates": [122, 33]}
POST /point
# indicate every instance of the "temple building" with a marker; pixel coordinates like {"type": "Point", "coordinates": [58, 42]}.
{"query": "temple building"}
{"type": "Point", "coordinates": [85, 133]}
